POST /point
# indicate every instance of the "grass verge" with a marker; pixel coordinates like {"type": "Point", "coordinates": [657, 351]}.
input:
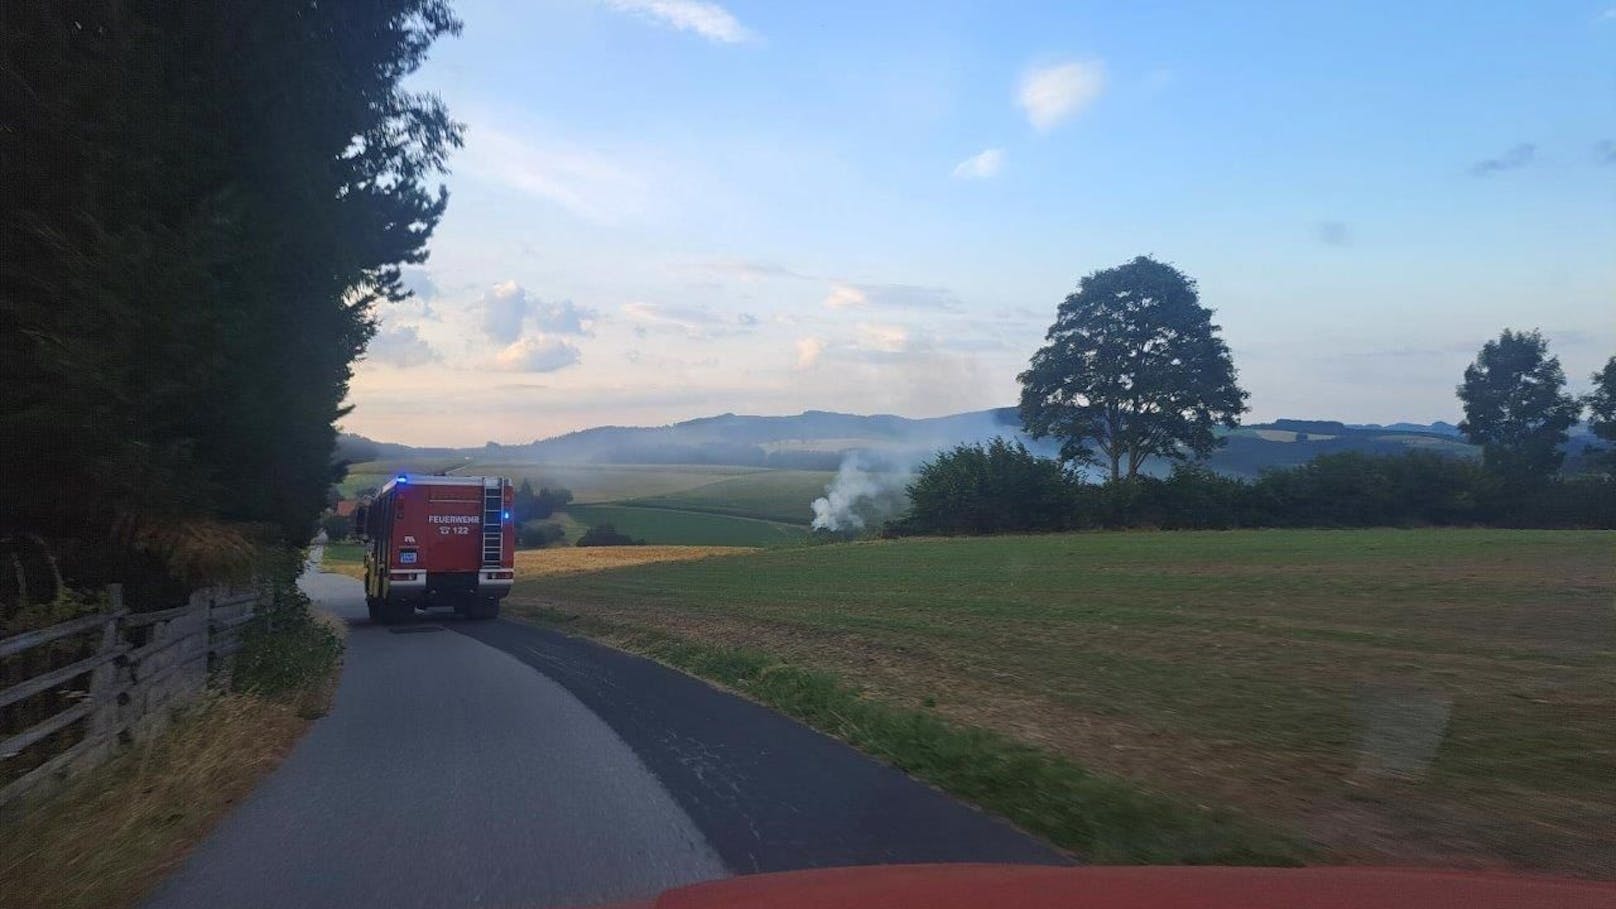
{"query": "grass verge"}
{"type": "Point", "coordinates": [1098, 817]}
{"type": "Point", "coordinates": [112, 834]}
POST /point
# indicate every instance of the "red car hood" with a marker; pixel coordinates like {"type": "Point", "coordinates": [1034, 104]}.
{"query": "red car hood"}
{"type": "Point", "coordinates": [1035, 887]}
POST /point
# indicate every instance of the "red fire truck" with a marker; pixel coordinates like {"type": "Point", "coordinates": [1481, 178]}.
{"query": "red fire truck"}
{"type": "Point", "coordinates": [438, 541]}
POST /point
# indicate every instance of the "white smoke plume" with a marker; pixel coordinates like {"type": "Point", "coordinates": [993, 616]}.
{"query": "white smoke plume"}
{"type": "Point", "coordinates": [871, 484]}
{"type": "Point", "coordinates": [866, 488]}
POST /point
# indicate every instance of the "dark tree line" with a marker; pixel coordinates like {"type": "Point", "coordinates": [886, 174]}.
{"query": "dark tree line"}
{"type": "Point", "coordinates": [989, 488]}
{"type": "Point", "coordinates": [205, 203]}
{"type": "Point", "coordinates": [530, 510]}
{"type": "Point", "coordinates": [1134, 369]}
{"type": "Point", "coordinates": [1000, 487]}
{"type": "Point", "coordinates": [528, 505]}
{"type": "Point", "coordinates": [607, 535]}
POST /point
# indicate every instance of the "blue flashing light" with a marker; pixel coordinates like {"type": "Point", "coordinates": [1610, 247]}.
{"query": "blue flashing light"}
{"type": "Point", "coordinates": [403, 479]}
{"type": "Point", "coordinates": [506, 515]}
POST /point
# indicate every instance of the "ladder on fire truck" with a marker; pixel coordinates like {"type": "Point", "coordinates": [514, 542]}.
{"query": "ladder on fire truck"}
{"type": "Point", "coordinates": [493, 523]}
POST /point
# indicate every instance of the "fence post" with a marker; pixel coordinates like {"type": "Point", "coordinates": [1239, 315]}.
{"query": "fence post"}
{"type": "Point", "coordinates": [104, 678]}
{"type": "Point", "coordinates": [210, 597]}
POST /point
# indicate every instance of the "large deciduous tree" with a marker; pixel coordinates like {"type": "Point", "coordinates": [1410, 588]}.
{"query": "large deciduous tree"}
{"type": "Point", "coordinates": [1133, 369]}
{"type": "Point", "coordinates": [1516, 407]}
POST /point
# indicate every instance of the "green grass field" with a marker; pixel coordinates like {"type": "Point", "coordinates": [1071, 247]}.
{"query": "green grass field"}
{"type": "Point", "coordinates": [345, 552]}
{"type": "Point", "coordinates": [772, 495]}
{"type": "Point", "coordinates": [1417, 696]}
{"type": "Point", "coordinates": [598, 483]}
{"type": "Point", "coordinates": [662, 526]}
{"type": "Point", "coordinates": [673, 504]}
{"type": "Point", "coordinates": [344, 558]}
{"type": "Point", "coordinates": [374, 474]}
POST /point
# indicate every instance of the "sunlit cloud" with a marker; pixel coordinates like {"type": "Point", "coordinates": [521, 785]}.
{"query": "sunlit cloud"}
{"type": "Point", "coordinates": [504, 307]}
{"type": "Point", "coordinates": [537, 353]}
{"type": "Point", "coordinates": [808, 352]}
{"type": "Point", "coordinates": [507, 307]}
{"type": "Point", "coordinates": [895, 296]}
{"type": "Point", "coordinates": [694, 322]}
{"type": "Point", "coordinates": [884, 338]}
{"type": "Point", "coordinates": [562, 317]}
{"type": "Point", "coordinates": [843, 296]}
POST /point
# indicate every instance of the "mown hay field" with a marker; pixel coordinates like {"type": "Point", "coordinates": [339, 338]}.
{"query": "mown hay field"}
{"type": "Point", "coordinates": [671, 527]}
{"type": "Point", "coordinates": [1408, 696]}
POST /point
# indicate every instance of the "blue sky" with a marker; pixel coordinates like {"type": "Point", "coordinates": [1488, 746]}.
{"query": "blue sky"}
{"type": "Point", "coordinates": [669, 208]}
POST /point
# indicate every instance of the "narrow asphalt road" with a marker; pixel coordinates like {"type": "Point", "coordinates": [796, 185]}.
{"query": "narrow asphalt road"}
{"type": "Point", "coordinates": [500, 764]}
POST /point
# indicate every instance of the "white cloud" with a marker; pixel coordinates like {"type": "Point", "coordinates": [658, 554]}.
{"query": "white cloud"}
{"type": "Point", "coordinates": [708, 20]}
{"type": "Point", "coordinates": [590, 184]}
{"type": "Point", "coordinates": [902, 296]}
{"type": "Point", "coordinates": [418, 281]}
{"type": "Point", "coordinates": [844, 295]}
{"type": "Point", "coordinates": [808, 351]}
{"type": "Point", "coordinates": [642, 312]}
{"type": "Point", "coordinates": [537, 353]}
{"type": "Point", "coordinates": [507, 307]}
{"type": "Point", "coordinates": [1051, 94]}
{"type": "Point", "coordinates": [563, 318]}
{"type": "Point", "coordinates": [884, 338]}
{"type": "Point", "coordinates": [401, 347]}
{"type": "Point", "coordinates": [986, 163]}
{"type": "Point", "coordinates": [686, 317]}
{"type": "Point", "coordinates": [504, 306]}
{"type": "Point", "coordinates": [694, 321]}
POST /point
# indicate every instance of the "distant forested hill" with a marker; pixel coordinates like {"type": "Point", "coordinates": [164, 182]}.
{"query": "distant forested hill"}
{"type": "Point", "coordinates": [1249, 450]}
{"type": "Point", "coordinates": [819, 440]}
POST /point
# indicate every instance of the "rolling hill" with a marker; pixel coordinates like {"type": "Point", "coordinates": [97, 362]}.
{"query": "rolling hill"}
{"type": "Point", "coordinates": [735, 479]}
{"type": "Point", "coordinates": [819, 440]}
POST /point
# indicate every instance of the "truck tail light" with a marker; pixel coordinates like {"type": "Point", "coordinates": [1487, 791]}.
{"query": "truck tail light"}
{"type": "Point", "coordinates": [501, 575]}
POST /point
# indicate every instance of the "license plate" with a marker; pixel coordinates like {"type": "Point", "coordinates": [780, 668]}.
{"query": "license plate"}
{"type": "Point", "coordinates": [406, 558]}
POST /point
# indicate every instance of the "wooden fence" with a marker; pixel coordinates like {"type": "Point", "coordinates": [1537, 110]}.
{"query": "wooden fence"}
{"type": "Point", "coordinates": [143, 666]}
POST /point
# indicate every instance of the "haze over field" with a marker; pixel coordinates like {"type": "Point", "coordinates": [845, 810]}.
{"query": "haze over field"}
{"type": "Point", "coordinates": [781, 208]}
{"type": "Point", "coordinates": [829, 471]}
